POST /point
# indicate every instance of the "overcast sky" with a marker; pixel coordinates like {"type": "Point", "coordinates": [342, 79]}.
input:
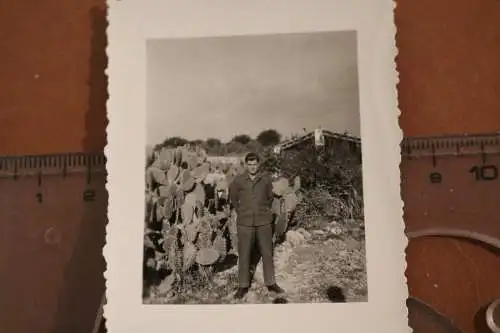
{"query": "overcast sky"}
{"type": "Point", "coordinates": [222, 86]}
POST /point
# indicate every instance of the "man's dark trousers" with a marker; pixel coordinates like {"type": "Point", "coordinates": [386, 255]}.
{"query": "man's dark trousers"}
{"type": "Point", "coordinates": [248, 237]}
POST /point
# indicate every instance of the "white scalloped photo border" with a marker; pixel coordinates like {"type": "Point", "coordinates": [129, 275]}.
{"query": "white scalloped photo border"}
{"type": "Point", "coordinates": [131, 24]}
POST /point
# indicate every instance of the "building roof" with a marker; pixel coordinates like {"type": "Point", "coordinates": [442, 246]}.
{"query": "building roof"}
{"type": "Point", "coordinates": [311, 136]}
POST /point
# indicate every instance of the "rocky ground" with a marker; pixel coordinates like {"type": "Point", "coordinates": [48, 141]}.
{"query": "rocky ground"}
{"type": "Point", "coordinates": [325, 263]}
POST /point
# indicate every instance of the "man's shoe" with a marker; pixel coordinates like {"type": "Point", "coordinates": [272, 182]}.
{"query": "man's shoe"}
{"type": "Point", "coordinates": [241, 293]}
{"type": "Point", "coordinates": [275, 288]}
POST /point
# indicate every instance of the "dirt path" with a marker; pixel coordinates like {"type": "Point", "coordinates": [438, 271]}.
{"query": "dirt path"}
{"type": "Point", "coordinates": [326, 264]}
{"type": "Point", "coordinates": [319, 267]}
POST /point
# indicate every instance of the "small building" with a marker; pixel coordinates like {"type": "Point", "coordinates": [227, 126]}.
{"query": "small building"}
{"type": "Point", "coordinates": [322, 140]}
{"type": "Point", "coordinates": [225, 159]}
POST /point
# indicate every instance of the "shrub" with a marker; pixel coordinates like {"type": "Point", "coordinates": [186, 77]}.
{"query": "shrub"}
{"type": "Point", "coordinates": [269, 137]}
{"type": "Point", "coordinates": [331, 179]}
{"type": "Point", "coordinates": [174, 141]}
{"type": "Point", "coordinates": [242, 138]}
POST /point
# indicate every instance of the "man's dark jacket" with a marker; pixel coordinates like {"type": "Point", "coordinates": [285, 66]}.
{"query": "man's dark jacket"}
{"type": "Point", "coordinates": [252, 200]}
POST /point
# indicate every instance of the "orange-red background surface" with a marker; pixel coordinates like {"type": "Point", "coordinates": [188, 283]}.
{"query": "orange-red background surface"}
{"type": "Point", "coordinates": [53, 87]}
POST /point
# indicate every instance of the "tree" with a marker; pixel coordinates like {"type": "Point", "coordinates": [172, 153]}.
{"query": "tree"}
{"type": "Point", "coordinates": [174, 141]}
{"type": "Point", "coordinates": [242, 138]}
{"type": "Point", "coordinates": [234, 147]}
{"type": "Point", "coordinates": [197, 142]}
{"type": "Point", "coordinates": [254, 146]}
{"type": "Point", "coordinates": [269, 137]}
{"type": "Point", "coordinates": [213, 142]}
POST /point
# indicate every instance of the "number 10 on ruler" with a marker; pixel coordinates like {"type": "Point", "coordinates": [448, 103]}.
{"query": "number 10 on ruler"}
{"type": "Point", "coordinates": [485, 172]}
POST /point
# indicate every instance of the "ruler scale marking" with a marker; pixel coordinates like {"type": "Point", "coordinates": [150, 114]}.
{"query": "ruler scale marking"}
{"type": "Point", "coordinates": [54, 203]}
{"type": "Point", "coordinates": [452, 216]}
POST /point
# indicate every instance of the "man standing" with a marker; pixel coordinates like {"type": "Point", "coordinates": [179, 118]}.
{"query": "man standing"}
{"type": "Point", "coordinates": [251, 195]}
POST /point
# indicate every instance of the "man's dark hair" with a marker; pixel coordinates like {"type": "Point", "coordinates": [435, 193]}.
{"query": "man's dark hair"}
{"type": "Point", "coordinates": [252, 157]}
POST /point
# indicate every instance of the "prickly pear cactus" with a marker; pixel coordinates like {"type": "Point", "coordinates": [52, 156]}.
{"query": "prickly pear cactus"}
{"type": "Point", "coordinates": [220, 244]}
{"type": "Point", "coordinates": [189, 255]}
{"type": "Point", "coordinates": [233, 231]}
{"type": "Point", "coordinates": [281, 222]}
{"type": "Point", "coordinates": [172, 257]}
{"type": "Point", "coordinates": [188, 208]}
{"type": "Point", "coordinates": [179, 259]}
{"type": "Point", "coordinates": [194, 233]}
{"type": "Point", "coordinates": [205, 233]}
{"type": "Point", "coordinates": [191, 231]}
{"type": "Point", "coordinates": [170, 238]}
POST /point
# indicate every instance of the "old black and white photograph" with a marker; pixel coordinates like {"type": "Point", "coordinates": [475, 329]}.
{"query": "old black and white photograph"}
{"type": "Point", "coordinates": [254, 182]}
{"type": "Point", "coordinates": [253, 167]}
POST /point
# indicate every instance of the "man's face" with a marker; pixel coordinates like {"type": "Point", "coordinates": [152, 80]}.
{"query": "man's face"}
{"type": "Point", "coordinates": [252, 167]}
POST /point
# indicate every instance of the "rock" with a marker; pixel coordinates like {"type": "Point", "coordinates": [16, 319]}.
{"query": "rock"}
{"type": "Point", "coordinates": [342, 253]}
{"type": "Point", "coordinates": [352, 244]}
{"type": "Point", "coordinates": [336, 230]}
{"type": "Point", "coordinates": [304, 232]}
{"type": "Point", "coordinates": [252, 297]}
{"type": "Point", "coordinates": [294, 237]}
{"type": "Point", "coordinates": [258, 276]}
{"type": "Point", "coordinates": [166, 285]}
{"type": "Point", "coordinates": [350, 221]}
{"type": "Point", "coordinates": [151, 263]}
{"type": "Point", "coordinates": [319, 232]}
{"type": "Point", "coordinates": [219, 282]}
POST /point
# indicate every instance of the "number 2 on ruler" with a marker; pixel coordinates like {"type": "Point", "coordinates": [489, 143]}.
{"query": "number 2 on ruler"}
{"type": "Point", "coordinates": [485, 172]}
